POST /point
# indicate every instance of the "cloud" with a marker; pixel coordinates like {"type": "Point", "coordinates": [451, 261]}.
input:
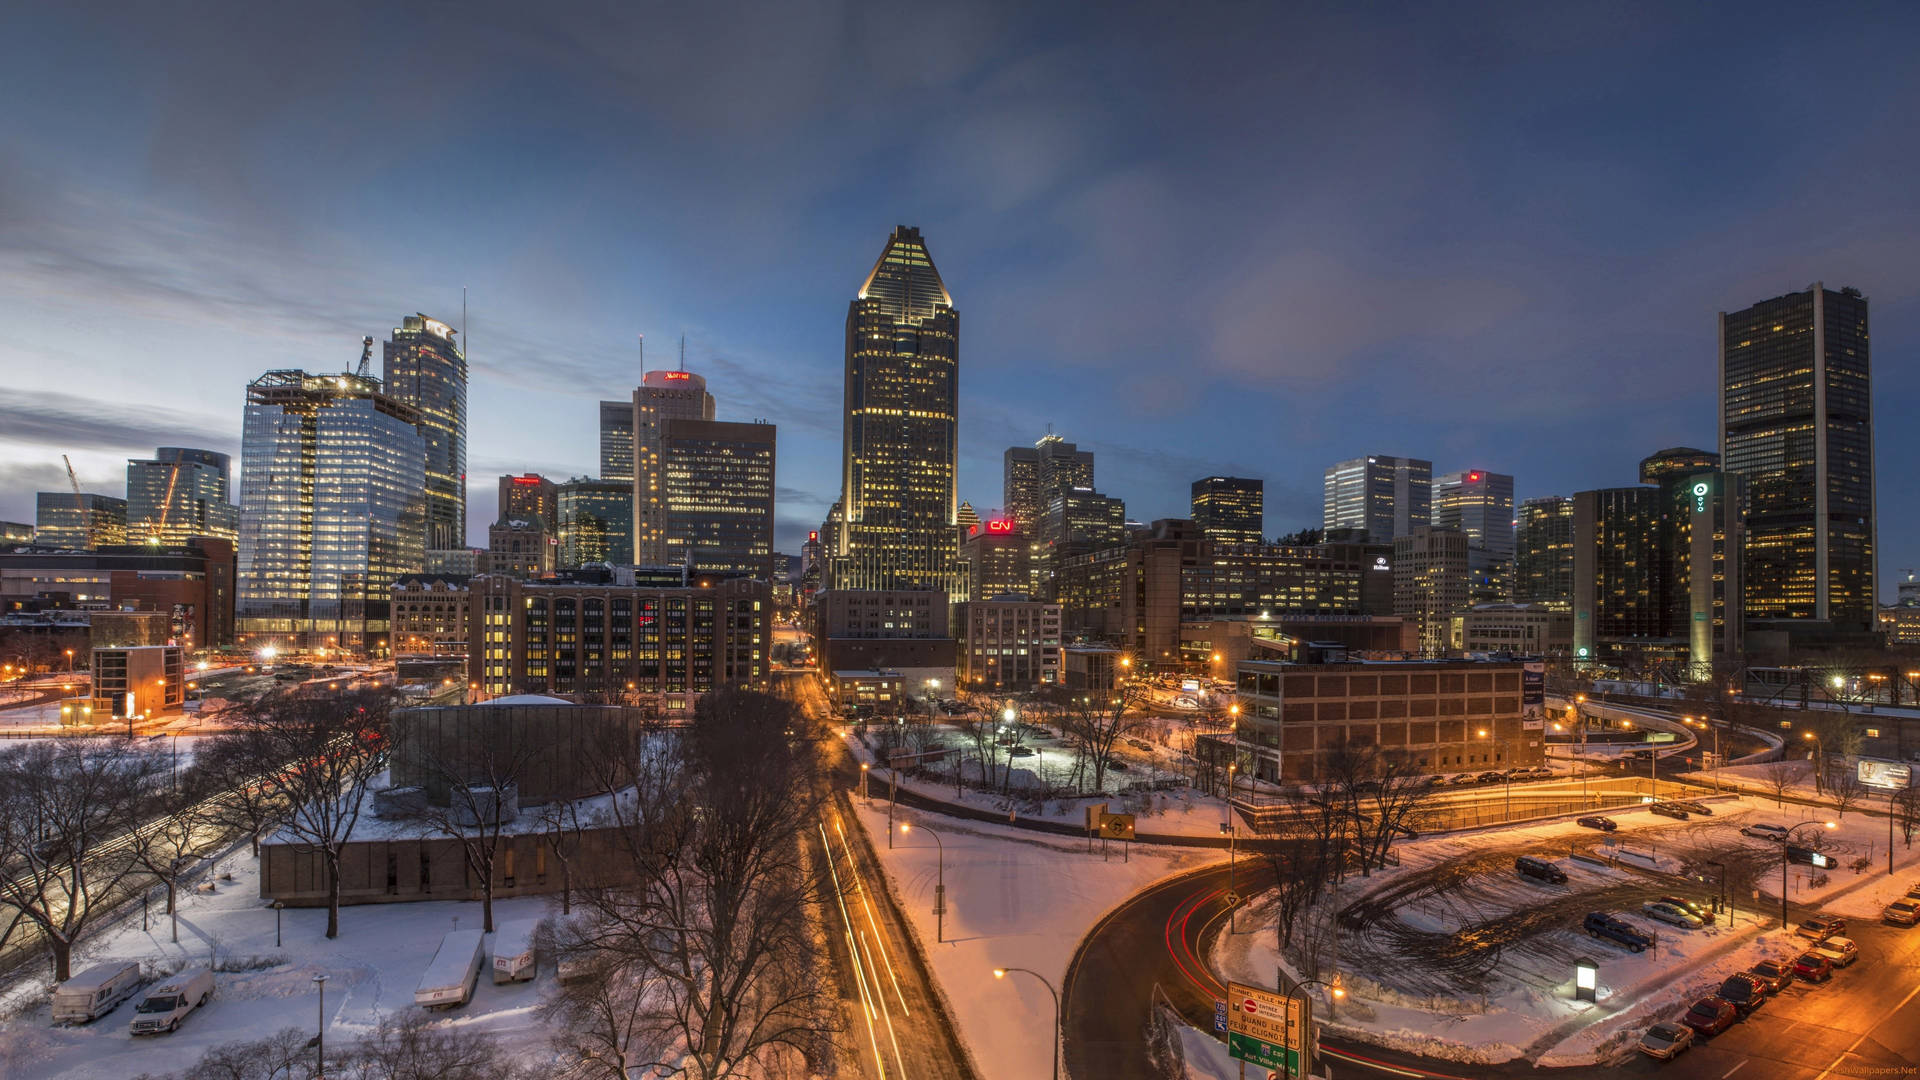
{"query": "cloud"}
{"type": "Point", "coordinates": [74, 422]}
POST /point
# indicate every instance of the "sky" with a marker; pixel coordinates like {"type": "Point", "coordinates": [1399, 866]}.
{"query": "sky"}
{"type": "Point", "coordinates": [1251, 239]}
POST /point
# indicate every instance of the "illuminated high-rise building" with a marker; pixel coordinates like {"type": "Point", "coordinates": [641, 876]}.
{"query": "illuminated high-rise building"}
{"type": "Point", "coordinates": [1387, 496]}
{"type": "Point", "coordinates": [662, 396]}
{"type": "Point", "coordinates": [1543, 553]}
{"type": "Point", "coordinates": [616, 440]}
{"type": "Point", "coordinates": [332, 511]}
{"type": "Point", "coordinates": [1796, 420]}
{"type": "Point", "coordinates": [424, 369]}
{"type": "Point", "coordinates": [595, 522]}
{"type": "Point", "coordinates": [181, 493]}
{"type": "Point", "coordinates": [1230, 509]}
{"type": "Point", "coordinates": [900, 428]}
{"type": "Point", "coordinates": [1479, 505]}
{"type": "Point", "coordinates": [83, 523]}
{"type": "Point", "coordinates": [719, 496]}
{"type": "Point", "coordinates": [529, 498]}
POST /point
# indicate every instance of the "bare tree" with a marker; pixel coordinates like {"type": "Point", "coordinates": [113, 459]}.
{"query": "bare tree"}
{"type": "Point", "coordinates": [603, 1017]}
{"type": "Point", "coordinates": [1310, 855]}
{"type": "Point", "coordinates": [178, 825]}
{"type": "Point", "coordinates": [1095, 722]}
{"type": "Point", "coordinates": [249, 805]}
{"type": "Point", "coordinates": [1837, 734]}
{"type": "Point", "coordinates": [1846, 790]}
{"type": "Point", "coordinates": [318, 755]}
{"type": "Point", "coordinates": [561, 821]}
{"type": "Point", "coordinates": [474, 801]}
{"type": "Point", "coordinates": [66, 809]}
{"type": "Point", "coordinates": [411, 1046]}
{"type": "Point", "coordinates": [1778, 776]}
{"type": "Point", "coordinates": [1906, 810]}
{"type": "Point", "coordinates": [283, 1055]}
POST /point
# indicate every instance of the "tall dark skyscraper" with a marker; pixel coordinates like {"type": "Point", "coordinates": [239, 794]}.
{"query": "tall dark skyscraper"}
{"type": "Point", "coordinates": [1543, 553]}
{"type": "Point", "coordinates": [1796, 421]}
{"type": "Point", "coordinates": [1479, 504]}
{"type": "Point", "coordinates": [901, 420]}
{"type": "Point", "coordinates": [424, 369]}
{"type": "Point", "coordinates": [616, 440]}
{"type": "Point", "coordinates": [661, 398]}
{"type": "Point", "coordinates": [1387, 496]}
{"type": "Point", "coordinates": [1230, 509]}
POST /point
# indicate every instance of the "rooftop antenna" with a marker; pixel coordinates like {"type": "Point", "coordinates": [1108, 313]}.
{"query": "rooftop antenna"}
{"type": "Point", "coordinates": [463, 321]}
{"type": "Point", "coordinates": [683, 352]}
{"type": "Point", "coordinates": [643, 354]}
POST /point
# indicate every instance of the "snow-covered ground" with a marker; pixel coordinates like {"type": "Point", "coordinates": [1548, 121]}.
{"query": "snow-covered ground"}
{"type": "Point", "coordinates": [1525, 1006]}
{"type": "Point", "coordinates": [372, 969]}
{"type": "Point", "coordinates": [1014, 899]}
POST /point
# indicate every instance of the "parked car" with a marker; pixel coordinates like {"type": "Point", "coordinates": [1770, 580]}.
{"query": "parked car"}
{"type": "Point", "coordinates": [1462, 779]}
{"type": "Point", "coordinates": [1710, 1016]}
{"type": "Point", "coordinates": [1539, 870]}
{"type": "Point", "coordinates": [1745, 992]}
{"type": "Point", "coordinates": [1594, 821]}
{"type": "Point", "coordinates": [1777, 974]}
{"type": "Point", "coordinates": [1698, 910]}
{"type": "Point", "coordinates": [1667, 809]}
{"type": "Point", "coordinates": [1765, 831]}
{"type": "Point", "coordinates": [1813, 967]}
{"type": "Point", "coordinates": [1902, 913]}
{"type": "Point", "coordinates": [1599, 924]}
{"type": "Point", "coordinates": [1116, 764]}
{"type": "Point", "coordinates": [1027, 751]}
{"type": "Point", "coordinates": [1821, 927]}
{"type": "Point", "coordinates": [1665, 1040]}
{"type": "Point", "coordinates": [1692, 807]}
{"type": "Point", "coordinates": [1839, 951]}
{"type": "Point", "coordinates": [1141, 744]}
{"type": "Point", "coordinates": [164, 1006]}
{"type": "Point", "coordinates": [1492, 776]}
{"type": "Point", "coordinates": [1671, 913]}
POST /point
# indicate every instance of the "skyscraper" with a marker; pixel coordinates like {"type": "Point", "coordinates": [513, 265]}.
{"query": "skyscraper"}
{"type": "Point", "coordinates": [661, 396]}
{"type": "Point", "coordinates": [84, 523]}
{"type": "Point", "coordinates": [1616, 558]}
{"type": "Point", "coordinates": [1387, 496]}
{"type": "Point", "coordinates": [1430, 582]}
{"type": "Point", "coordinates": [529, 498]}
{"type": "Point", "coordinates": [1479, 504]}
{"type": "Point", "coordinates": [901, 418]}
{"type": "Point", "coordinates": [181, 493]}
{"type": "Point", "coordinates": [1230, 509]}
{"type": "Point", "coordinates": [719, 495]}
{"type": "Point", "coordinates": [1672, 471]}
{"type": "Point", "coordinates": [1543, 553]}
{"type": "Point", "coordinates": [333, 508]}
{"type": "Point", "coordinates": [425, 370]}
{"type": "Point", "coordinates": [616, 440]}
{"type": "Point", "coordinates": [595, 520]}
{"type": "Point", "coordinates": [1796, 421]}
{"type": "Point", "coordinates": [1033, 476]}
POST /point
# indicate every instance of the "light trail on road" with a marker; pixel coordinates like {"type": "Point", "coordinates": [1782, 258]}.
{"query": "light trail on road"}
{"type": "Point", "coordinates": [865, 969]}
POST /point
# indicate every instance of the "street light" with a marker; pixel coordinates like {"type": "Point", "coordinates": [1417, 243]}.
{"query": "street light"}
{"type": "Point", "coordinates": [940, 883]}
{"type": "Point", "coordinates": [1001, 973]}
{"type": "Point", "coordinates": [1819, 762]}
{"type": "Point", "coordinates": [1784, 845]}
{"type": "Point", "coordinates": [320, 1035]}
{"type": "Point", "coordinates": [278, 906]}
{"type": "Point", "coordinates": [1335, 992]}
{"type": "Point", "coordinates": [1233, 843]}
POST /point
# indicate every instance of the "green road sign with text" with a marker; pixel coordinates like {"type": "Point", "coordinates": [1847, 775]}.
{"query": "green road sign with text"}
{"type": "Point", "coordinates": [1264, 1054]}
{"type": "Point", "coordinates": [1265, 1028]}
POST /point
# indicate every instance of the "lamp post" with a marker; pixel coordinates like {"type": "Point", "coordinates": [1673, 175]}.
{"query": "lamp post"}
{"type": "Point", "coordinates": [320, 1033]}
{"type": "Point", "coordinates": [1784, 844]}
{"type": "Point", "coordinates": [865, 768]}
{"type": "Point", "coordinates": [278, 906]}
{"type": "Point", "coordinates": [1233, 844]}
{"type": "Point", "coordinates": [1334, 993]}
{"type": "Point", "coordinates": [940, 882]}
{"type": "Point", "coordinates": [1819, 762]}
{"type": "Point", "coordinates": [1001, 973]}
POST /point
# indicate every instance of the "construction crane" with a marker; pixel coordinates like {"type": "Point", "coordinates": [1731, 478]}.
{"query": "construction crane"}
{"type": "Point", "coordinates": [80, 504]}
{"type": "Point", "coordinates": [366, 355]}
{"type": "Point", "coordinates": [159, 528]}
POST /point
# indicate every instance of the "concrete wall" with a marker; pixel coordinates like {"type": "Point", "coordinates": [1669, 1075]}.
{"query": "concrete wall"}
{"type": "Point", "coordinates": [392, 871]}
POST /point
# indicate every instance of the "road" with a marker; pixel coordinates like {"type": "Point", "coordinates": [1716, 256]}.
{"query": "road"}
{"type": "Point", "coordinates": [893, 1012]}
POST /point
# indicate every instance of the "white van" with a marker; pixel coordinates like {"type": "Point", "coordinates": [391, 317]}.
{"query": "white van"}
{"type": "Point", "coordinates": [94, 992]}
{"type": "Point", "coordinates": [513, 959]}
{"type": "Point", "coordinates": [166, 1005]}
{"type": "Point", "coordinates": [455, 969]}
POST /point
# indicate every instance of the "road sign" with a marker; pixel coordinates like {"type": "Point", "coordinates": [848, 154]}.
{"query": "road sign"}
{"type": "Point", "coordinates": [1219, 1016]}
{"type": "Point", "coordinates": [1116, 826]}
{"type": "Point", "coordinates": [1265, 1028]}
{"type": "Point", "coordinates": [1232, 899]}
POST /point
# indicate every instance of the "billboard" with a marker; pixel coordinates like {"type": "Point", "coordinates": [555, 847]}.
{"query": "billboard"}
{"type": "Point", "coordinates": [1885, 775]}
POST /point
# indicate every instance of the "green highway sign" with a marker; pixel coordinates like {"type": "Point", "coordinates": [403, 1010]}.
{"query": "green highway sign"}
{"type": "Point", "coordinates": [1266, 1028]}
{"type": "Point", "coordinates": [1265, 1055]}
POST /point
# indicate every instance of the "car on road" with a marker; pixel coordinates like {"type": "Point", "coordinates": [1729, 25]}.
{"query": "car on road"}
{"type": "Point", "coordinates": [1462, 779]}
{"type": "Point", "coordinates": [1821, 927]}
{"type": "Point", "coordinates": [1491, 776]}
{"type": "Point", "coordinates": [1692, 807]}
{"type": "Point", "coordinates": [1667, 809]}
{"type": "Point", "coordinates": [1141, 745]}
{"type": "Point", "coordinates": [1594, 821]}
{"type": "Point", "coordinates": [1777, 974]}
{"type": "Point", "coordinates": [1021, 751]}
{"type": "Point", "coordinates": [1813, 967]}
{"type": "Point", "coordinates": [1901, 913]}
{"type": "Point", "coordinates": [1539, 870]}
{"type": "Point", "coordinates": [1666, 1040]}
{"type": "Point", "coordinates": [1699, 910]}
{"type": "Point", "coordinates": [1745, 992]}
{"type": "Point", "coordinates": [1671, 913]}
{"type": "Point", "coordinates": [1839, 951]}
{"type": "Point", "coordinates": [1710, 1016]}
{"type": "Point", "coordinates": [1599, 924]}
{"type": "Point", "coordinates": [1765, 831]}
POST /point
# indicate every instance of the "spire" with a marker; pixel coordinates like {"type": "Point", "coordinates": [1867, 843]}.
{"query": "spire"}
{"type": "Point", "coordinates": [904, 278]}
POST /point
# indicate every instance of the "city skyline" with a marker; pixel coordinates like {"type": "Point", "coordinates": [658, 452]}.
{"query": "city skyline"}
{"type": "Point", "coordinates": [1557, 281]}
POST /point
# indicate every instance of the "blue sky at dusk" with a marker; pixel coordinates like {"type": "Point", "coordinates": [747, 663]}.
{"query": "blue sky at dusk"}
{"type": "Point", "coordinates": [1246, 238]}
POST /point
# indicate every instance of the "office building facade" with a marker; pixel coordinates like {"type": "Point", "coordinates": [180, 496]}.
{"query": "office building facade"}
{"type": "Point", "coordinates": [1009, 643]}
{"type": "Point", "coordinates": [1431, 579]}
{"type": "Point", "coordinates": [1387, 496]}
{"type": "Point", "coordinates": [1543, 553]}
{"type": "Point", "coordinates": [661, 397]}
{"type": "Point", "coordinates": [531, 497]}
{"type": "Point", "coordinates": [900, 430]}
{"type": "Point", "coordinates": [181, 493]}
{"type": "Point", "coordinates": [81, 523]}
{"type": "Point", "coordinates": [1230, 509]}
{"type": "Point", "coordinates": [1796, 421]}
{"type": "Point", "coordinates": [430, 615]}
{"type": "Point", "coordinates": [595, 522]}
{"type": "Point", "coordinates": [719, 492]}
{"type": "Point", "coordinates": [423, 368]}
{"type": "Point", "coordinates": [998, 559]}
{"type": "Point", "coordinates": [520, 548]}
{"type": "Point", "coordinates": [191, 583]}
{"type": "Point", "coordinates": [1616, 560]}
{"type": "Point", "coordinates": [333, 508]}
{"type": "Point", "coordinates": [616, 440]}
{"type": "Point", "coordinates": [1479, 505]}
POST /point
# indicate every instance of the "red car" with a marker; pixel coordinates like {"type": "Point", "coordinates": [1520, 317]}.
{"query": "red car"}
{"type": "Point", "coordinates": [1710, 1016]}
{"type": "Point", "coordinates": [1813, 967]}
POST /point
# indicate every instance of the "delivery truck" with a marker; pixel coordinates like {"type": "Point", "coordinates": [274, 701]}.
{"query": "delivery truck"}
{"type": "Point", "coordinates": [453, 972]}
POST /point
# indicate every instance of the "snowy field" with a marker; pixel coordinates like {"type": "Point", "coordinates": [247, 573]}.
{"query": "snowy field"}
{"type": "Point", "coordinates": [1014, 899]}
{"type": "Point", "coordinates": [372, 970]}
{"type": "Point", "coordinates": [1452, 954]}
